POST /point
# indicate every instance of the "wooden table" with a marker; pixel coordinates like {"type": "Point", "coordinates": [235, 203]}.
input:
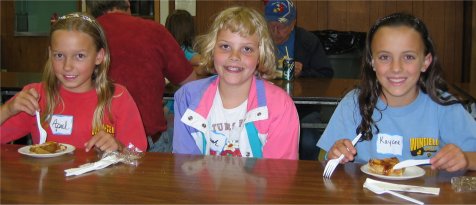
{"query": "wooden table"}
{"type": "Point", "coordinates": [169, 178]}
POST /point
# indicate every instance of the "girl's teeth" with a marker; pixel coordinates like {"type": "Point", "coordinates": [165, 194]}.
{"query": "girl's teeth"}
{"type": "Point", "coordinates": [399, 80]}
{"type": "Point", "coordinates": [233, 68]}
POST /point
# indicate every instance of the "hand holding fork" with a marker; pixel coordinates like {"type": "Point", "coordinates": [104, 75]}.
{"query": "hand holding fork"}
{"type": "Point", "coordinates": [332, 164]}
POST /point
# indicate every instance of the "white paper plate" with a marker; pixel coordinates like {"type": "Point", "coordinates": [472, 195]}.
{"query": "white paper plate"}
{"type": "Point", "coordinates": [410, 172]}
{"type": "Point", "coordinates": [26, 151]}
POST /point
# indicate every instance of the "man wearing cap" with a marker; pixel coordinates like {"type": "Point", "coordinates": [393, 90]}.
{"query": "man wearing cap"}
{"type": "Point", "coordinates": [310, 61]}
{"type": "Point", "coordinates": [301, 45]}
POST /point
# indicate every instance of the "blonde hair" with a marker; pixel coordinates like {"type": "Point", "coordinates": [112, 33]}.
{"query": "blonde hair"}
{"type": "Point", "coordinates": [246, 22]}
{"type": "Point", "coordinates": [104, 87]}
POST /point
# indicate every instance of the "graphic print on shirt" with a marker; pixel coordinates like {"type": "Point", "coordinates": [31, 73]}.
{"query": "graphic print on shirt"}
{"type": "Point", "coordinates": [106, 128]}
{"type": "Point", "coordinates": [423, 146]}
{"type": "Point", "coordinates": [226, 126]}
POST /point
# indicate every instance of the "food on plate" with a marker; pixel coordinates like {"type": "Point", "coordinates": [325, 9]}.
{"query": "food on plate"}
{"type": "Point", "coordinates": [385, 167]}
{"type": "Point", "coordinates": [49, 147]}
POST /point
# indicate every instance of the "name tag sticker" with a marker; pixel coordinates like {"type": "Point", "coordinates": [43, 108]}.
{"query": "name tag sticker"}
{"type": "Point", "coordinates": [389, 144]}
{"type": "Point", "coordinates": [61, 124]}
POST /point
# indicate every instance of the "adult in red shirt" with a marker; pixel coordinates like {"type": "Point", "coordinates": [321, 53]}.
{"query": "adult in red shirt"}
{"type": "Point", "coordinates": [143, 54]}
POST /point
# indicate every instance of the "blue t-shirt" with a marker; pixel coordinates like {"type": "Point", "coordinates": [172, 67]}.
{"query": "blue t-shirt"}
{"type": "Point", "coordinates": [414, 131]}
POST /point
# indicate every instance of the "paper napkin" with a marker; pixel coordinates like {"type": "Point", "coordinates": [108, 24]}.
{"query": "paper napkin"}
{"type": "Point", "coordinates": [403, 187]}
{"type": "Point", "coordinates": [104, 162]}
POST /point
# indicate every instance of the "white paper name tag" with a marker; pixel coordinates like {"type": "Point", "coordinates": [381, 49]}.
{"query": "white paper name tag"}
{"type": "Point", "coordinates": [389, 144]}
{"type": "Point", "coordinates": [61, 124]}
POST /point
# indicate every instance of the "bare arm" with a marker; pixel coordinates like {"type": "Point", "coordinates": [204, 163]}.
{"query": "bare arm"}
{"type": "Point", "coordinates": [24, 101]}
{"type": "Point", "coordinates": [471, 157]}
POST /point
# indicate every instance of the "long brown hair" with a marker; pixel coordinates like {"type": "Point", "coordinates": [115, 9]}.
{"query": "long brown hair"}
{"type": "Point", "coordinates": [180, 24]}
{"type": "Point", "coordinates": [430, 82]}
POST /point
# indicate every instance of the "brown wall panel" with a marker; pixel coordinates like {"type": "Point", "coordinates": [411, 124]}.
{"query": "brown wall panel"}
{"type": "Point", "coordinates": [357, 16]}
{"type": "Point", "coordinates": [449, 41]}
{"type": "Point", "coordinates": [406, 6]}
{"type": "Point", "coordinates": [337, 15]}
{"type": "Point", "coordinates": [322, 16]}
{"type": "Point", "coordinates": [459, 46]}
{"type": "Point", "coordinates": [390, 7]}
{"type": "Point", "coordinates": [308, 14]}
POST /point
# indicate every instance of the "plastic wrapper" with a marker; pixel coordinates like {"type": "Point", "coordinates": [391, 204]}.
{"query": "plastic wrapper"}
{"type": "Point", "coordinates": [463, 184]}
{"type": "Point", "coordinates": [129, 155]}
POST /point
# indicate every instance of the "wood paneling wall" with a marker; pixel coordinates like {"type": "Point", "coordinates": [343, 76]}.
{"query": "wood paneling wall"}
{"type": "Point", "coordinates": [443, 18]}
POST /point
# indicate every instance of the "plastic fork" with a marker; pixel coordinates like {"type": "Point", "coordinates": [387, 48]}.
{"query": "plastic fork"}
{"type": "Point", "coordinates": [332, 164]}
{"type": "Point", "coordinates": [40, 128]}
{"type": "Point", "coordinates": [378, 190]}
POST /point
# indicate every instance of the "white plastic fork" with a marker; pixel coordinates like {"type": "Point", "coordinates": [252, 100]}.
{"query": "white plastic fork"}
{"type": "Point", "coordinates": [378, 190]}
{"type": "Point", "coordinates": [40, 128]}
{"type": "Point", "coordinates": [332, 164]}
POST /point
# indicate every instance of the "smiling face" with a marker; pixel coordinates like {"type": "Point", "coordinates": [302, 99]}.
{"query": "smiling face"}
{"type": "Point", "coordinates": [235, 58]}
{"type": "Point", "coordinates": [398, 58]}
{"type": "Point", "coordinates": [74, 58]}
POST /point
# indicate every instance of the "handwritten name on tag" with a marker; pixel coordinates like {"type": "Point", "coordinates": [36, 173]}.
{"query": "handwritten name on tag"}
{"type": "Point", "coordinates": [61, 124]}
{"type": "Point", "coordinates": [389, 144]}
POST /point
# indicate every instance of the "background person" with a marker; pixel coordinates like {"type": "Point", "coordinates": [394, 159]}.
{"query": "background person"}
{"type": "Point", "coordinates": [143, 54]}
{"type": "Point", "coordinates": [181, 25]}
{"type": "Point", "coordinates": [310, 61]}
{"type": "Point", "coordinates": [79, 105]}
{"type": "Point", "coordinates": [236, 113]}
{"type": "Point", "coordinates": [301, 45]}
{"type": "Point", "coordinates": [402, 105]}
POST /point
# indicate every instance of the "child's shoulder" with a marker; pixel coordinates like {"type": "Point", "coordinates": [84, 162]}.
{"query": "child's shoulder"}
{"type": "Point", "coordinates": [275, 92]}
{"type": "Point", "coordinates": [120, 90]}
{"type": "Point", "coordinates": [199, 84]}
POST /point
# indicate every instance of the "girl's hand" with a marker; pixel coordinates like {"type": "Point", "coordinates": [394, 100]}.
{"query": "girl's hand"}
{"type": "Point", "coordinates": [24, 101]}
{"type": "Point", "coordinates": [342, 146]}
{"type": "Point", "coordinates": [103, 141]}
{"type": "Point", "coordinates": [450, 158]}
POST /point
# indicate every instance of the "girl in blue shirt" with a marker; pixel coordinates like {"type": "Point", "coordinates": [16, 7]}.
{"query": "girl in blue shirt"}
{"type": "Point", "coordinates": [401, 106]}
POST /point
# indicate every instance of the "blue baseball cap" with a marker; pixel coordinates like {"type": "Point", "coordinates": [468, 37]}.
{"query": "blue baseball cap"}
{"type": "Point", "coordinates": [282, 11]}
